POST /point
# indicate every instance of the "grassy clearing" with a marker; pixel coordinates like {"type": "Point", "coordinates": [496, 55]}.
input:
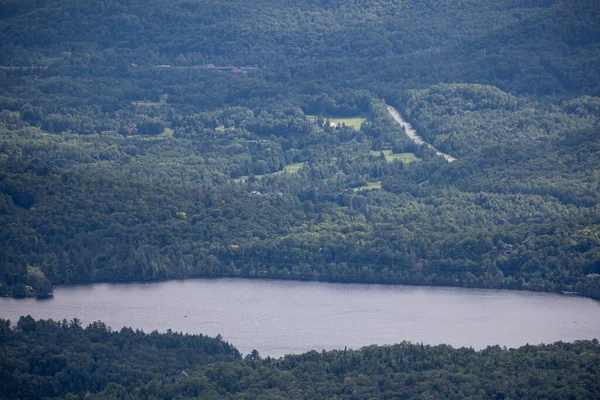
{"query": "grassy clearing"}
{"type": "Point", "coordinates": [288, 169]}
{"type": "Point", "coordinates": [404, 157]}
{"type": "Point", "coordinates": [168, 132]}
{"type": "Point", "coordinates": [145, 103]}
{"type": "Point", "coordinates": [352, 122]}
{"type": "Point", "coordinates": [368, 186]}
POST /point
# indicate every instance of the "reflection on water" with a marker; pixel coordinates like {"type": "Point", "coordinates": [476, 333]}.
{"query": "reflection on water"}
{"type": "Point", "coordinates": [280, 317]}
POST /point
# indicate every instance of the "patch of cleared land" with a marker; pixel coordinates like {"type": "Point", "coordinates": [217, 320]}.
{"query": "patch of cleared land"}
{"type": "Point", "coordinates": [352, 122]}
{"type": "Point", "coordinates": [168, 132]}
{"type": "Point", "coordinates": [368, 186]}
{"type": "Point", "coordinates": [404, 157]}
{"type": "Point", "coordinates": [288, 169]}
{"type": "Point", "coordinates": [146, 103]}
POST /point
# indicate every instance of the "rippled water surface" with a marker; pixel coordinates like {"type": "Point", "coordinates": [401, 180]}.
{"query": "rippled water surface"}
{"type": "Point", "coordinates": [280, 317]}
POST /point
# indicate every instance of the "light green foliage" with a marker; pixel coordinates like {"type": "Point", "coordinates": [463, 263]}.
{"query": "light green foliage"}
{"type": "Point", "coordinates": [462, 119]}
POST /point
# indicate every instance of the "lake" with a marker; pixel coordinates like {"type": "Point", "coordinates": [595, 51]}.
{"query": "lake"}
{"type": "Point", "coordinates": [282, 317]}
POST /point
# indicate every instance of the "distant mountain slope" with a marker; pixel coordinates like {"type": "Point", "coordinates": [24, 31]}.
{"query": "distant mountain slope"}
{"type": "Point", "coordinates": [536, 47]}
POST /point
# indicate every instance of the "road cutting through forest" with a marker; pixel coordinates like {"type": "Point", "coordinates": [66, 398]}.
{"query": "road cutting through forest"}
{"type": "Point", "coordinates": [412, 134]}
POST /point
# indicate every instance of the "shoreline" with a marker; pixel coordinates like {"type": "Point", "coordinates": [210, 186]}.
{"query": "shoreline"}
{"type": "Point", "coordinates": [562, 292]}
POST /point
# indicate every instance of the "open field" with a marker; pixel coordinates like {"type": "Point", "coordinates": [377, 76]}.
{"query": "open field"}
{"type": "Point", "coordinates": [168, 132]}
{"type": "Point", "coordinates": [288, 169]}
{"type": "Point", "coordinates": [368, 186]}
{"type": "Point", "coordinates": [353, 122]}
{"type": "Point", "coordinates": [147, 103]}
{"type": "Point", "coordinates": [404, 157]}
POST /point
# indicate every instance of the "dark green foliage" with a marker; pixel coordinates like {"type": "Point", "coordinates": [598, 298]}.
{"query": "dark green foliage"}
{"type": "Point", "coordinates": [135, 138]}
{"type": "Point", "coordinates": [107, 208]}
{"type": "Point", "coordinates": [405, 371]}
{"type": "Point", "coordinates": [48, 358]}
{"type": "Point", "coordinates": [150, 127]}
{"type": "Point", "coordinates": [113, 208]}
{"type": "Point", "coordinates": [150, 140]}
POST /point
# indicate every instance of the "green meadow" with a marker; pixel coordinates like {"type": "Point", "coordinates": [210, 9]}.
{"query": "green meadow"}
{"type": "Point", "coordinates": [404, 157]}
{"type": "Point", "coordinates": [168, 132]}
{"type": "Point", "coordinates": [355, 122]}
{"type": "Point", "coordinates": [288, 169]}
{"type": "Point", "coordinates": [145, 103]}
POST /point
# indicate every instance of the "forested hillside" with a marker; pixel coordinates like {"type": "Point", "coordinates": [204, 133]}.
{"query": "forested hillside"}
{"type": "Point", "coordinates": [56, 359]}
{"type": "Point", "coordinates": [49, 359]}
{"type": "Point", "coordinates": [169, 139]}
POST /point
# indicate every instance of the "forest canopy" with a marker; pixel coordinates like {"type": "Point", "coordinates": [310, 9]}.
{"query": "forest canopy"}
{"type": "Point", "coordinates": [64, 360]}
{"type": "Point", "coordinates": [171, 139]}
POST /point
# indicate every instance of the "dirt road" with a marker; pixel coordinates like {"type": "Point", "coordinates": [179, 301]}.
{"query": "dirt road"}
{"type": "Point", "coordinates": [412, 134]}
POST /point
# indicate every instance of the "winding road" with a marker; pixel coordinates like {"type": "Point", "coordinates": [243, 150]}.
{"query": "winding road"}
{"type": "Point", "coordinates": [412, 134]}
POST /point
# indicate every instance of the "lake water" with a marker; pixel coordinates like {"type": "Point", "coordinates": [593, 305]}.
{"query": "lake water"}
{"type": "Point", "coordinates": [282, 317]}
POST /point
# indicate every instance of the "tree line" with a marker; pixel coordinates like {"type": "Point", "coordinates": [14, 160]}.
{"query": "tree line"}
{"type": "Point", "coordinates": [65, 360]}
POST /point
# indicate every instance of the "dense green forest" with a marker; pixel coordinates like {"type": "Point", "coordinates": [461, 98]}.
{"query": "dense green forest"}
{"type": "Point", "coordinates": [52, 359]}
{"type": "Point", "coordinates": [168, 139]}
